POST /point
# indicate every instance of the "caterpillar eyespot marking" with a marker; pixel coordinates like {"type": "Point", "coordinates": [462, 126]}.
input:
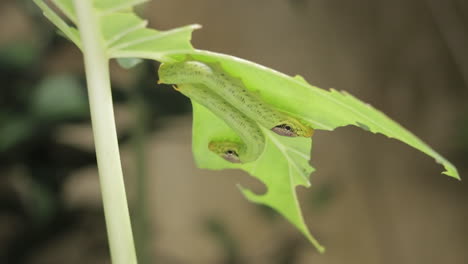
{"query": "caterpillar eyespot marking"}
{"type": "Point", "coordinates": [252, 139]}
{"type": "Point", "coordinates": [232, 90]}
{"type": "Point", "coordinates": [284, 130]}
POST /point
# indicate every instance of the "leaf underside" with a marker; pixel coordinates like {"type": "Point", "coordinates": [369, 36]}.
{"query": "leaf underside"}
{"type": "Point", "coordinates": [285, 161]}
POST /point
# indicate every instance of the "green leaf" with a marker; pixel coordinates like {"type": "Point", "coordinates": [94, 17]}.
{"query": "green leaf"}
{"type": "Point", "coordinates": [285, 162]}
{"type": "Point", "coordinates": [153, 44]}
{"type": "Point", "coordinates": [102, 6]}
{"type": "Point", "coordinates": [117, 25]}
{"type": "Point", "coordinates": [283, 165]}
{"type": "Point", "coordinates": [123, 32]}
{"type": "Point", "coordinates": [110, 6]}
{"type": "Point", "coordinates": [70, 32]}
{"type": "Point", "coordinates": [322, 109]}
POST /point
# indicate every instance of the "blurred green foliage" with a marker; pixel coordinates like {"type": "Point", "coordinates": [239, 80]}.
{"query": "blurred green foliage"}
{"type": "Point", "coordinates": [58, 98]}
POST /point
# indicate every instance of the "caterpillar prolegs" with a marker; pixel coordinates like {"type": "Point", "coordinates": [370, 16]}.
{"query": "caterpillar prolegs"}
{"type": "Point", "coordinates": [219, 92]}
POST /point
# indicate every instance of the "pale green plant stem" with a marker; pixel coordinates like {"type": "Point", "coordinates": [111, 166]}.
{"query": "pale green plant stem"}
{"type": "Point", "coordinates": [119, 230]}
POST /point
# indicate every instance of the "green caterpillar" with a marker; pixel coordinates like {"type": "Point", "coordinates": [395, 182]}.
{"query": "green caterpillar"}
{"type": "Point", "coordinates": [233, 91]}
{"type": "Point", "coordinates": [250, 133]}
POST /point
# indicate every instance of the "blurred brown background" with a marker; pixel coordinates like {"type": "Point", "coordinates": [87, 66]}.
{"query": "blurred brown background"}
{"type": "Point", "coordinates": [373, 200]}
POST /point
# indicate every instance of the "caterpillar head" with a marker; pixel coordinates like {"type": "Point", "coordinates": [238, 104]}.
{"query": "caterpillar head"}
{"type": "Point", "coordinates": [226, 150]}
{"type": "Point", "coordinates": [293, 128]}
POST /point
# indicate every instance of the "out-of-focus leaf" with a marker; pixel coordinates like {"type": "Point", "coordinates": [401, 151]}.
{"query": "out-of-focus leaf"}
{"type": "Point", "coordinates": [59, 97]}
{"type": "Point", "coordinates": [19, 54]}
{"type": "Point", "coordinates": [129, 63]}
{"type": "Point", "coordinates": [14, 130]}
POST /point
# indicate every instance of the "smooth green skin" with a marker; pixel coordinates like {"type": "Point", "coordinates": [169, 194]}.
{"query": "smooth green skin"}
{"type": "Point", "coordinates": [284, 164]}
{"type": "Point", "coordinates": [252, 141]}
{"type": "Point", "coordinates": [233, 91]}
